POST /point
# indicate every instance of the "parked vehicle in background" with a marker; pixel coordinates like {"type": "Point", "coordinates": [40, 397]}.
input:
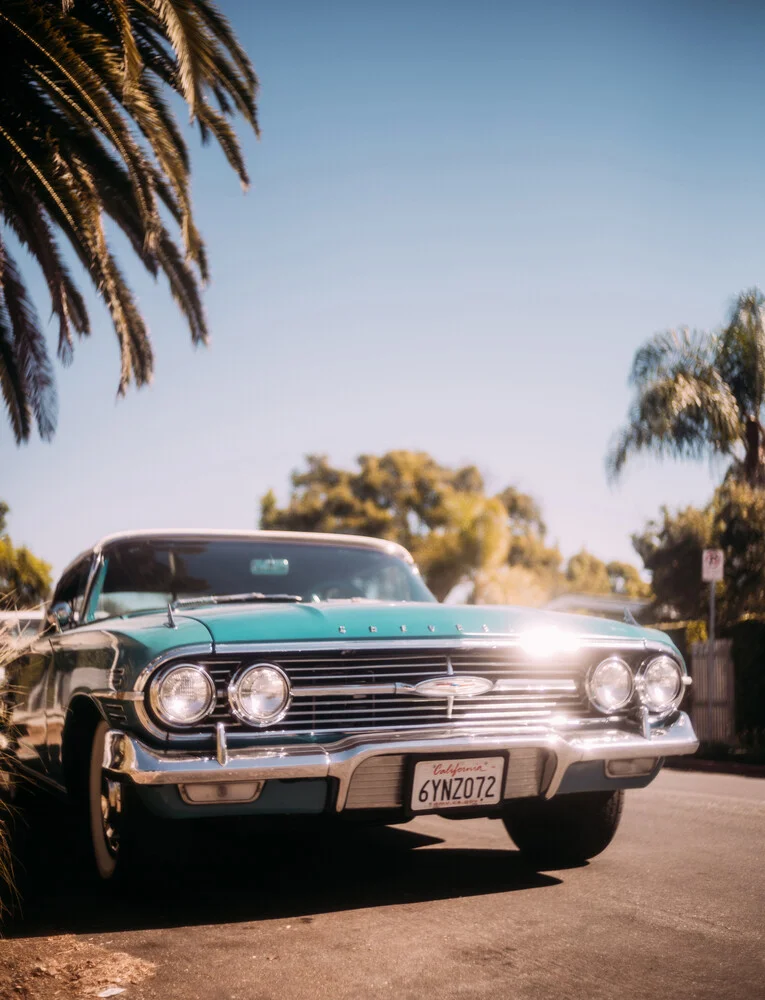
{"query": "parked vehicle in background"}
{"type": "Point", "coordinates": [214, 674]}
{"type": "Point", "coordinates": [20, 626]}
{"type": "Point", "coordinates": [17, 629]}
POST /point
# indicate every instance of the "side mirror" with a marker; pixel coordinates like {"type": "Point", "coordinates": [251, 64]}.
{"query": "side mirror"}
{"type": "Point", "coordinates": [61, 615]}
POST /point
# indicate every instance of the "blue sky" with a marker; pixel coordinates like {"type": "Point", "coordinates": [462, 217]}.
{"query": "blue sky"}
{"type": "Point", "coordinates": [464, 218]}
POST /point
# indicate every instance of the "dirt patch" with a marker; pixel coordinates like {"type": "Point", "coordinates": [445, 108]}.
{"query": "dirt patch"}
{"type": "Point", "coordinates": [57, 968]}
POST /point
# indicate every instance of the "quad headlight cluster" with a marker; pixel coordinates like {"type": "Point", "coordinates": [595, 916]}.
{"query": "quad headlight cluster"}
{"type": "Point", "coordinates": [183, 695]}
{"type": "Point", "coordinates": [658, 684]}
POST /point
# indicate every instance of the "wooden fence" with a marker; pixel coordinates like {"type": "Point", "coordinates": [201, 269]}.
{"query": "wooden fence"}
{"type": "Point", "coordinates": [712, 704]}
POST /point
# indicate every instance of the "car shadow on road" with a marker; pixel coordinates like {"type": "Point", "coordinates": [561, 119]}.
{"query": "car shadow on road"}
{"type": "Point", "coordinates": [234, 872]}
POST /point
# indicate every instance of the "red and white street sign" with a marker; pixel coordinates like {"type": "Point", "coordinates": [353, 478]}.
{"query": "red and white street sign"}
{"type": "Point", "coordinates": [712, 565]}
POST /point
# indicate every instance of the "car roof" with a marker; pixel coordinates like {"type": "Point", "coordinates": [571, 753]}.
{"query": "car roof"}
{"type": "Point", "coordinates": [317, 537]}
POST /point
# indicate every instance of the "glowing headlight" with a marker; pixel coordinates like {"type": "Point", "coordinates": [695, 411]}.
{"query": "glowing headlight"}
{"type": "Point", "coordinates": [183, 695]}
{"type": "Point", "coordinates": [260, 694]}
{"type": "Point", "coordinates": [660, 684]}
{"type": "Point", "coordinates": [610, 684]}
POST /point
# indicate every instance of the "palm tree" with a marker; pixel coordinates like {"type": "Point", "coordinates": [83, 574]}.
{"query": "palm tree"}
{"type": "Point", "coordinates": [702, 394]}
{"type": "Point", "coordinates": [87, 134]}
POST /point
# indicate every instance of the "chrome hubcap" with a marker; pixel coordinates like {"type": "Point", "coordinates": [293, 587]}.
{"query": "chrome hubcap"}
{"type": "Point", "coordinates": [111, 810]}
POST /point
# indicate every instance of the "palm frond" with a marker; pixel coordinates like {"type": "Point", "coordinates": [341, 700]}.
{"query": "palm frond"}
{"type": "Point", "coordinates": [668, 353]}
{"type": "Point", "coordinates": [681, 414]}
{"type": "Point", "coordinates": [87, 133]}
{"type": "Point", "coordinates": [12, 384]}
{"type": "Point", "coordinates": [32, 228]}
{"type": "Point", "coordinates": [29, 345]}
{"type": "Point", "coordinates": [741, 352]}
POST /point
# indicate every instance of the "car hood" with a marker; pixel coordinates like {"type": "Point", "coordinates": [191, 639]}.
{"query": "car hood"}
{"type": "Point", "coordinates": [353, 620]}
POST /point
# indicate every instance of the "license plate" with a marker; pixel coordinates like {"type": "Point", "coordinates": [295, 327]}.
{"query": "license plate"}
{"type": "Point", "coordinates": [458, 783]}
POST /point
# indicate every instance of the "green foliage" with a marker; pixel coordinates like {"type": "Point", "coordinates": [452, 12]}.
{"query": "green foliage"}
{"type": "Point", "coordinates": [739, 530]}
{"type": "Point", "coordinates": [439, 514]}
{"type": "Point", "coordinates": [671, 549]}
{"type": "Point", "coordinates": [528, 548]}
{"type": "Point", "coordinates": [625, 579]}
{"type": "Point", "coordinates": [24, 579]}
{"type": "Point", "coordinates": [586, 574]}
{"type": "Point", "coordinates": [444, 517]}
{"type": "Point", "coordinates": [88, 133]}
{"type": "Point", "coordinates": [701, 394]}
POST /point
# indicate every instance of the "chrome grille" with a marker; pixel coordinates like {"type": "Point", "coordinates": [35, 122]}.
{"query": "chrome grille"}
{"type": "Point", "coordinates": [535, 692]}
{"type": "Point", "coordinates": [378, 783]}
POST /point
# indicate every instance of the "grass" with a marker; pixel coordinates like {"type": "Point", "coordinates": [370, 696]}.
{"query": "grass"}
{"type": "Point", "coordinates": [8, 652]}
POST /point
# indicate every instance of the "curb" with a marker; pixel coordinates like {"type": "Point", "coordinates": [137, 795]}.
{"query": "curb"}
{"type": "Point", "coordinates": [715, 766]}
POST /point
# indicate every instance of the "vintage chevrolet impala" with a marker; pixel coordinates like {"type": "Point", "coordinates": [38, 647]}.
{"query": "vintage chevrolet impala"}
{"type": "Point", "coordinates": [191, 674]}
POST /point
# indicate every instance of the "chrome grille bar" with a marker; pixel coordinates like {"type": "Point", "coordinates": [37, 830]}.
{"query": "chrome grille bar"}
{"type": "Point", "coordinates": [347, 689]}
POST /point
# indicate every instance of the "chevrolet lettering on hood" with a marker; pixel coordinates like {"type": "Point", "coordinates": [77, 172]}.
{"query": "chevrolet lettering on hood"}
{"type": "Point", "coordinates": [264, 673]}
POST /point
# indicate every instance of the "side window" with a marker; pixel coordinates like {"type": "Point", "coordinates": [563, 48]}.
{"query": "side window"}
{"type": "Point", "coordinates": [71, 587]}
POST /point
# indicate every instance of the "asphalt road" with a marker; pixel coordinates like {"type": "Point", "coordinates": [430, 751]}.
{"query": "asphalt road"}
{"type": "Point", "coordinates": [675, 908]}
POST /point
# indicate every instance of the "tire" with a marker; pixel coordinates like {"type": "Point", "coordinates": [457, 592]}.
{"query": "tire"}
{"type": "Point", "coordinates": [565, 830]}
{"type": "Point", "coordinates": [111, 814]}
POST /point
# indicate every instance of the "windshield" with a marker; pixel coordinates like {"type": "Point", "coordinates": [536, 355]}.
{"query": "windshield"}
{"type": "Point", "coordinates": [145, 574]}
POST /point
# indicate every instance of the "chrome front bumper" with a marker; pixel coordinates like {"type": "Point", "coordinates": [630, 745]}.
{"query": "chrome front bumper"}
{"type": "Point", "coordinates": [127, 758]}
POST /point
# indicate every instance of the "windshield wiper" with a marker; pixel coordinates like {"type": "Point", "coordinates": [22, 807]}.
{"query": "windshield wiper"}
{"type": "Point", "coordinates": [186, 602]}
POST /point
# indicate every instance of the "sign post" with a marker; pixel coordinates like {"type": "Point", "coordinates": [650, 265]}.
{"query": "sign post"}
{"type": "Point", "coordinates": [712, 566]}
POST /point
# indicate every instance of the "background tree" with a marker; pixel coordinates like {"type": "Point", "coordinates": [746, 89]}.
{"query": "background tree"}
{"type": "Point", "coordinates": [24, 579]}
{"type": "Point", "coordinates": [440, 514]}
{"type": "Point", "coordinates": [586, 574]}
{"type": "Point", "coordinates": [625, 579]}
{"type": "Point", "coordinates": [702, 394]}
{"type": "Point", "coordinates": [671, 548]}
{"type": "Point", "coordinates": [739, 530]}
{"type": "Point", "coordinates": [495, 545]}
{"type": "Point", "coordinates": [528, 546]}
{"type": "Point", "coordinates": [87, 134]}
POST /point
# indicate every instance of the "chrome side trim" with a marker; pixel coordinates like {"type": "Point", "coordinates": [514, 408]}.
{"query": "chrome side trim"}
{"type": "Point", "coordinates": [136, 696]}
{"type": "Point", "coordinates": [127, 758]}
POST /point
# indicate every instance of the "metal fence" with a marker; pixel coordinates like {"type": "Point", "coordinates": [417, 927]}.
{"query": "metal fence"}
{"type": "Point", "coordinates": [712, 707]}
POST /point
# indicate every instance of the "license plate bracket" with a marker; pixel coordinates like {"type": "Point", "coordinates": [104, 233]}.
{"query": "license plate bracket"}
{"type": "Point", "coordinates": [458, 768]}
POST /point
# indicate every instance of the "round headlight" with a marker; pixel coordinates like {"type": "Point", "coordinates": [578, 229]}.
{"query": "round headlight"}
{"type": "Point", "coordinates": [260, 694]}
{"type": "Point", "coordinates": [660, 684]}
{"type": "Point", "coordinates": [183, 695]}
{"type": "Point", "coordinates": [610, 685]}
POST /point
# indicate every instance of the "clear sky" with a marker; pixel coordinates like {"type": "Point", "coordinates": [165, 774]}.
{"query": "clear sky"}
{"type": "Point", "coordinates": [464, 219]}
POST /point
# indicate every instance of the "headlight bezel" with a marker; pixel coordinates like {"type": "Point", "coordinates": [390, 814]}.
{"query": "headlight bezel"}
{"type": "Point", "coordinates": [640, 685]}
{"type": "Point", "coordinates": [589, 686]}
{"type": "Point", "coordinates": [155, 689]}
{"type": "Point", "coordinates": [234, 699]}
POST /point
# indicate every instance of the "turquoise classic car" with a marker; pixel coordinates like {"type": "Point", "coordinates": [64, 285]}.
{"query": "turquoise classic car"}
{"type": "Point", "coordinates": [218, 674]}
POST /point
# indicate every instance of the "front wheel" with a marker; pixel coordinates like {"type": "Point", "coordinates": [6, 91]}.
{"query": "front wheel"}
{"type": "Point", "coordinates": [110, 815]}
{"type": "Point", "coordinates": [565, 830]}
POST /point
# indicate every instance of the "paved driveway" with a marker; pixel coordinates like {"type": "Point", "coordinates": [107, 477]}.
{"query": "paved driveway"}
{"type": "Point", "coordinates": [675, 908]}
